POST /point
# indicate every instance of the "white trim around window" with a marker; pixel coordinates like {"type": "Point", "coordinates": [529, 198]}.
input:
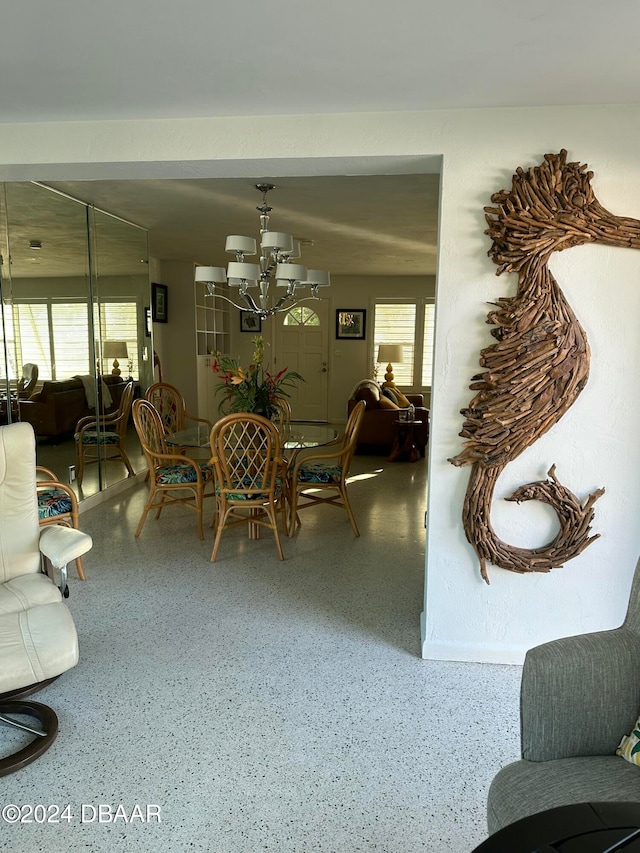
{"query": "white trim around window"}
{"type": "Point", "coordinates": [409, 323]}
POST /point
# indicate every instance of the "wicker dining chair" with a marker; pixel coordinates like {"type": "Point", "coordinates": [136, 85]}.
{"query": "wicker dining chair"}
{"type": "Point", "coordinates": [282, 419]}
{"type": "Point", "coordinates": [250, 476]}
{"type": "Point", "coordinates": [170, 404]}
{"type": "Point", "coordinates": [102, 438]}
{"type": "Point", "coordinates": [321, 478]}
{"type": "Point", "coordinates": [57, 504]}
{"type": "Point", "coordinates": [171, 474]}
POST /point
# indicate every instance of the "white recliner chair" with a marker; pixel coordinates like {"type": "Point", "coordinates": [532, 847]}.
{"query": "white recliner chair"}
{"type": "Point", "coordinates": [38, 640]}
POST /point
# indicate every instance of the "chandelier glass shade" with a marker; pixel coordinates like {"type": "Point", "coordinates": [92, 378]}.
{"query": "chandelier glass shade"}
{"type": "Point", "coordinates": [278, 254]}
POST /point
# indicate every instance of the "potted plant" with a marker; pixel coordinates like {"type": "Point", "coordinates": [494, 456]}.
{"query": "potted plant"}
{"type": "Point", "coordinates": [254, 389]}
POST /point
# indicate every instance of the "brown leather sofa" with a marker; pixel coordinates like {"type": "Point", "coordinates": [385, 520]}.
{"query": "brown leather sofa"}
{"type": "Point", "coordinates": [378, 429]}
{"type": "Point", "coordinates": [58, 406]}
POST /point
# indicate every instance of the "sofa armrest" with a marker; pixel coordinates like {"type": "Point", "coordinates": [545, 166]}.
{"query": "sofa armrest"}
{"type": "Point", "coordinates": [416, 399]}
{"type": "Point", "coordinates": [579, 695]}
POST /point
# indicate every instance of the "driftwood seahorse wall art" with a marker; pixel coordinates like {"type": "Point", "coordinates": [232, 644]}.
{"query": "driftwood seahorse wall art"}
{"type": "Point", "coordinates": [540, 364]}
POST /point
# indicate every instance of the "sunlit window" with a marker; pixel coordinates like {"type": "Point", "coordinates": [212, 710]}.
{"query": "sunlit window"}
{"type": "Point", "coordinates": [301, 316]}
{"type": "Point", "coordinates": [118, 321]}
{"type": "Point", "coordinates": [54, 334]}
{"type": "Point", "coordinates": [410, 324]}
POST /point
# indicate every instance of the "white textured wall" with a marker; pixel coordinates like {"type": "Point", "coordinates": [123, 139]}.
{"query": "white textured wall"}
{"type": "Point", "coordinates": [595, 444]}
{"type": "Point", "coordinates": [177, 350]}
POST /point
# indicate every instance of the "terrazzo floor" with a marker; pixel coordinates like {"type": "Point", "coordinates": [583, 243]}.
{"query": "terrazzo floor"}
{"type": "Point", "coordinates": [261, 705]}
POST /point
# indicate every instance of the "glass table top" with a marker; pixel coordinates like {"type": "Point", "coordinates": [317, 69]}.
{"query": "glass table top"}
{"type": "Point", "coordinates": [309, 435]}
{"type": "Point", "coordinates": [194, 436]}
{"type": "Point", "coordinates": [301, 435]}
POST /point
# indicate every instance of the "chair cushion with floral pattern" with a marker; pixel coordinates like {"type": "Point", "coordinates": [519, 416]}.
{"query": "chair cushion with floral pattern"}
{"type": "Point", "coordinates": [90, 436]}
{"type": "Point", "coordinates": [246, 483]}
{"type": "Point", "coordinates": [320, 473]}
{"type": "Point", "coordinates": [52, 502]}
{"type": "Point", "coordinates": [172, 474]}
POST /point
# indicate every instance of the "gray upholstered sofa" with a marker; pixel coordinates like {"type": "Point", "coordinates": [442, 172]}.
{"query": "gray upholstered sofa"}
{"type": "Point", "coordinates": [579, 696]}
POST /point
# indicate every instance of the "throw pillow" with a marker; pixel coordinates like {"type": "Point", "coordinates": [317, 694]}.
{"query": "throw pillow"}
{"type": "Point", "coordinates": [390, 394]}
{"type": "Point", "coordinates": [629, 747]}
{"type": "Point", "coordinates": [402, 400]}
{"type": "Point", "coordinates": [385, 403]}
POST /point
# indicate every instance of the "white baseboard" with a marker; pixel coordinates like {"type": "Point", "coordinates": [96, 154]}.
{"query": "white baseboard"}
{"type": "Point", "coordinates": [100, 497]}
{"type": "Point", "coordinates": [469, 653]}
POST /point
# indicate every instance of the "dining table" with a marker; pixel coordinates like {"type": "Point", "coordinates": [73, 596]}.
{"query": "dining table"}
{"type": "Point", "coordinates": [302, 436]}
{"type": "Point", "coordinates": [193, 436]}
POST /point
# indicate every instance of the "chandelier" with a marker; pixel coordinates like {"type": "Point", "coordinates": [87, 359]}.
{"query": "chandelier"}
{"type": "Point", "coordinates": [278, 251]}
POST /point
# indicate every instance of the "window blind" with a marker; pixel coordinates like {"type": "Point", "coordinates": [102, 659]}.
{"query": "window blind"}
{"type": "Point", "coordinates": [118, 321]}
{"type": "Point", "coordinates": [33, 344]}
{"type": "Point", "coordinates": [395, 323]}
{"type": "Point", "coordinates": [427, 344]}
{"type": "Point", "coordinates": [70, 323]}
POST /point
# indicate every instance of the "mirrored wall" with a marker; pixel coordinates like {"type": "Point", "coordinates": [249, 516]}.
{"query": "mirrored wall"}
{"type": "Point", "coordinates": [75, 298]}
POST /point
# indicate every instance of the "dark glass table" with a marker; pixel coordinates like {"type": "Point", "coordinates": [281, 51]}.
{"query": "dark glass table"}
{"type": "Point", "coordinates": [579, 828]}
{"type": "Point", "coordinates": [404, 441]}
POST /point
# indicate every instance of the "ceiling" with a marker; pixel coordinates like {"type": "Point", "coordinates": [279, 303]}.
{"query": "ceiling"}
{"type": "Point", "coordinates": [359, 224]}
{"type": "Point", "coordinates": [128, 59]}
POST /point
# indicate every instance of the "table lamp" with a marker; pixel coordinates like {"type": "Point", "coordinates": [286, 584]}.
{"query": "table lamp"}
{"type": "Point", "coordinates": [390, 353]}
{"type": "Point", "coordinates": [115, 350]}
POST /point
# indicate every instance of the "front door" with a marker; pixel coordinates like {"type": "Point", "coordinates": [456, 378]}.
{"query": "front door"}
{"type": "Point", "coordinates": [302, 344]}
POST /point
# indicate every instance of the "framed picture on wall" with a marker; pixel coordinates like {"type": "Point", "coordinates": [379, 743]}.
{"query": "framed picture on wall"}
{"type": "Point", "coordinates": [250, 322]}
{"type": "Point", "coordinates": [351, 323]}
{"type": "Point", "coordinates": [159, 303]}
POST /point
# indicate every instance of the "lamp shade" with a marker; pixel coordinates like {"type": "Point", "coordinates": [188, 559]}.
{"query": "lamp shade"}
{"type": "Point", "coordinates": [390, 353]}
{"type": "Point", "coordinates": [115, 349]}
{"type": "Point", "coordinates": [248, 272]}
{"type": "Point", "coordinates": [291, 272]}
{"type": "Point", "coordinates": [237, 244]}
{"type": "Point", "coordinates": [215, 274]}
{"type": "Point", "coordinates": [296, 251]}
{"type": "Point", "coordinates": [277, 240]}
{"type": "Point", "coordinates": [319, 278]}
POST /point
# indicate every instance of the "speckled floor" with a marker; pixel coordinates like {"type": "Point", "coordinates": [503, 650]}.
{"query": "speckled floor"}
{"type": "Point", "coordinates": [265, 705]}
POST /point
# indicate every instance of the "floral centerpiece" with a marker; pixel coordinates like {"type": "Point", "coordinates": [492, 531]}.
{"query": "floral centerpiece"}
{"type": "Point", "coordinates": [254, 389]}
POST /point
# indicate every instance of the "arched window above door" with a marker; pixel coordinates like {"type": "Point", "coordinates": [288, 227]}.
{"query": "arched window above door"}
{"type": "Point", "coordinates": [301, 316]}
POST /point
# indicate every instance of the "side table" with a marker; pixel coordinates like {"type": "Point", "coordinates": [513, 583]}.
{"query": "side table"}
{"type": "Point", "coordinates": [9, 405]}
{"type": "Point", "coordinates": [579, 828]}
{"type": "Point", "coordinates": [404, 446]}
